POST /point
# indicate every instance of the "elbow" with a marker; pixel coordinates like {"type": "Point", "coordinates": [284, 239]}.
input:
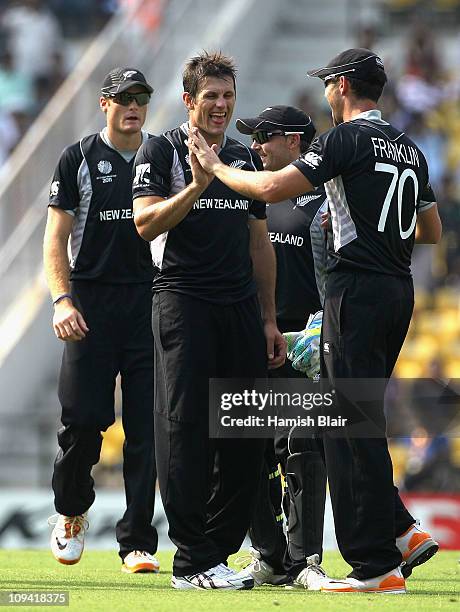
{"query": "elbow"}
{"type": "Point", "coordinates": [147, 231]}
{"type": "Point", "coordinates": [435, 235]}
{"type": "Point", "coordinates": [270, 192]}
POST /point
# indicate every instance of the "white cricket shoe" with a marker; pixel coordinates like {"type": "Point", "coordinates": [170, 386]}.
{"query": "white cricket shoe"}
{"type": "Point", "coordinates": [390, 583]}
{"type": "Point", "coordinates": [312, 576]}
{"type": "Point", "coordinates": [140, 562]}
{"type": "Point", "coordinates": [68, 537]}
{"type": "Point", "coordinates": [218, 577]}
{"type": "Point", "coordinates": [260, 570]}
{"type": "Point", "coordinates": [416, 547]}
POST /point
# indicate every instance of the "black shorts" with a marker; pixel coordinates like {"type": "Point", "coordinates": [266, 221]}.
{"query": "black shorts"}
{"type": "Point", "coordinates": [119, 341]}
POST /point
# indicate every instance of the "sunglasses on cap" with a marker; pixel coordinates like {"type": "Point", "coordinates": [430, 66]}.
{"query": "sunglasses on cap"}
{"type": "Point", "coordinates": [124, 98]}
{"type": "Point", "coordinates": [261, 137]}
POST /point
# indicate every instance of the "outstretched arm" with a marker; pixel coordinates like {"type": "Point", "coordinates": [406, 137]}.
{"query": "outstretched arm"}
{"type": "Point", "coordinates": [264, 185]}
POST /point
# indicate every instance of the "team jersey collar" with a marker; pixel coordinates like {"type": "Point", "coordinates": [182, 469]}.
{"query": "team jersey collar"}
{"type": "Point", "coordinates": [185, 128]}
{"type": "Point", "coordinates": [371, 115]}
{"type": "Point", "coordinates": [106, 139]}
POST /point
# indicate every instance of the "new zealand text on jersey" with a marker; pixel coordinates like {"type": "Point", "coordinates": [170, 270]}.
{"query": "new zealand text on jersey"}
{"type": "Point", "coordinates": [221, 203]}
{"type": "Point", "coordinates": [395, 151]}
{"type": "Point", "coordinates": [116, 214]}
{"type": "Point", "coordinates": [286, 238]}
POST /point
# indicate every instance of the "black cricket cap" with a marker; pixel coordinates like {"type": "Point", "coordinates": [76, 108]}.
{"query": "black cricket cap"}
{"type": "Point", "coordinates": [361, 64]}
{"type": "Point", "coordinates": [283, 118]}
{"type": "Point", "coordinates": [121, 79]}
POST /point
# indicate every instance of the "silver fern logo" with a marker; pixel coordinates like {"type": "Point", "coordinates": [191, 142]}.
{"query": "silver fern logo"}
{"type": "Point", "coordinates": [237, 163]}
{"type": "Point", "coordinates": [104, 166]}
{"type": "Point", "coordinates": [305, 199]}
{"type": "Point", "coordinates": [128, 74]}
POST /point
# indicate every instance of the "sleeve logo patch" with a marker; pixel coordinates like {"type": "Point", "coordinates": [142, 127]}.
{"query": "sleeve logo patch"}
{"type": "Point", "coordinates": [312, 159]}
{"type": "Point", "coordinates": [141, 171]}
{"type": "Point", "coordinates": [54, 190]}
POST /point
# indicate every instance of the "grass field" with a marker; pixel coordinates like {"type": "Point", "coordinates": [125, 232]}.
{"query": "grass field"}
{"type": "Point", "coordinates": [96, 583]}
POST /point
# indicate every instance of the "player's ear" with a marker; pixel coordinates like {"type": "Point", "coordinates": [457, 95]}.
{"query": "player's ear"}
{"type": "Point", "coordinates": [188, 101]}
{"type": "Point", "coordinates": [294, 141]}
{"type": "Point", "coordinates": [103, 104]}
{"type": "Point", "coordinates": [344, 85]}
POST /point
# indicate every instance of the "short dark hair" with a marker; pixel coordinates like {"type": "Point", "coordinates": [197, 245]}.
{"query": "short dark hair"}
{"type": "Point", "coordinates": [213, 64]}
{"type": "Point", "coordinates": [366, 89]}
{"type": "Point", "coordinates": [361, 89]}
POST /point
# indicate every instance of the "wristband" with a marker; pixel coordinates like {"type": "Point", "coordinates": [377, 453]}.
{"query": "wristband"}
{"type": "Point", "coordinates": [61, 297]}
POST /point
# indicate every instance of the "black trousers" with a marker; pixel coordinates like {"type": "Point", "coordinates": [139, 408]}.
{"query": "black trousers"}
{"type": "Point", "coordinates": [366, 317]}
{"type": "Point", "coordinates": [208, 486]}
{"type": "Point", "coordinates": [119, 341]}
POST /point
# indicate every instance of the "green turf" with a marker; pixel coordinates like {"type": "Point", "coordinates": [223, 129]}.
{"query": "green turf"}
{"type": "Point", "coordinates": [96, 583]}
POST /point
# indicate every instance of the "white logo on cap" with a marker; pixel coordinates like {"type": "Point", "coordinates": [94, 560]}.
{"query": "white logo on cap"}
{"type": "Point", "coordinates": [379, 62]}
{"type": "Point", "coordinates": [128, 74]}
{"type": "Point", "coordinates": [266, 109]}
{"type": "Point", "coordinates": [104, 166]}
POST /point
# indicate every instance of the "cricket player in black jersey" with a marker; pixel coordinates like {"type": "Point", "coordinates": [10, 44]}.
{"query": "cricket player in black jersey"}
{"type": "Point", "coordinates": [212, 248]}
{"type": "Point", "coordinates": [381, 202]}
{"type": "Point", "coordinates": [280, 134]}
{"type": "Point", "coordinates": [102, 313]}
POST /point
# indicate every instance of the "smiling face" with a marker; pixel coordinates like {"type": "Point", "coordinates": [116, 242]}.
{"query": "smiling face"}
{"type": "Point", "coordinates": [124, 120]}
{"type": "Point", "coordinates": [212, 107]}
{"type": "Point", "coordinates": [279, 151]}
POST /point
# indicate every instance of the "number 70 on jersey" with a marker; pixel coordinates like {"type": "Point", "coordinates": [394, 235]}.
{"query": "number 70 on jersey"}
{"type": "Point", "coordinates": [397, 182]}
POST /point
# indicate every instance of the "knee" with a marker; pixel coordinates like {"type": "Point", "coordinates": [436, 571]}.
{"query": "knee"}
{"type": "Point", "coordinates": [89, 439]}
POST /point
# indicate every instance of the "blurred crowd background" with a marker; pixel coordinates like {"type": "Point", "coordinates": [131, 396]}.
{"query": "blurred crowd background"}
{"type": "Point", "coordinates": [41, 42]}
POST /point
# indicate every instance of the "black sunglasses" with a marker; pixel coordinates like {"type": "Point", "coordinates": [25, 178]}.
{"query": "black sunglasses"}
{"type": "Point", "coordinates": [261, 137]}
{"type": "Point", "coordinates": [124, 98]}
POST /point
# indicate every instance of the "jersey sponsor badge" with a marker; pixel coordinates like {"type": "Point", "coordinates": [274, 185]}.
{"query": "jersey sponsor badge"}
{"type": "Point", "coordinates": [104, 166]}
